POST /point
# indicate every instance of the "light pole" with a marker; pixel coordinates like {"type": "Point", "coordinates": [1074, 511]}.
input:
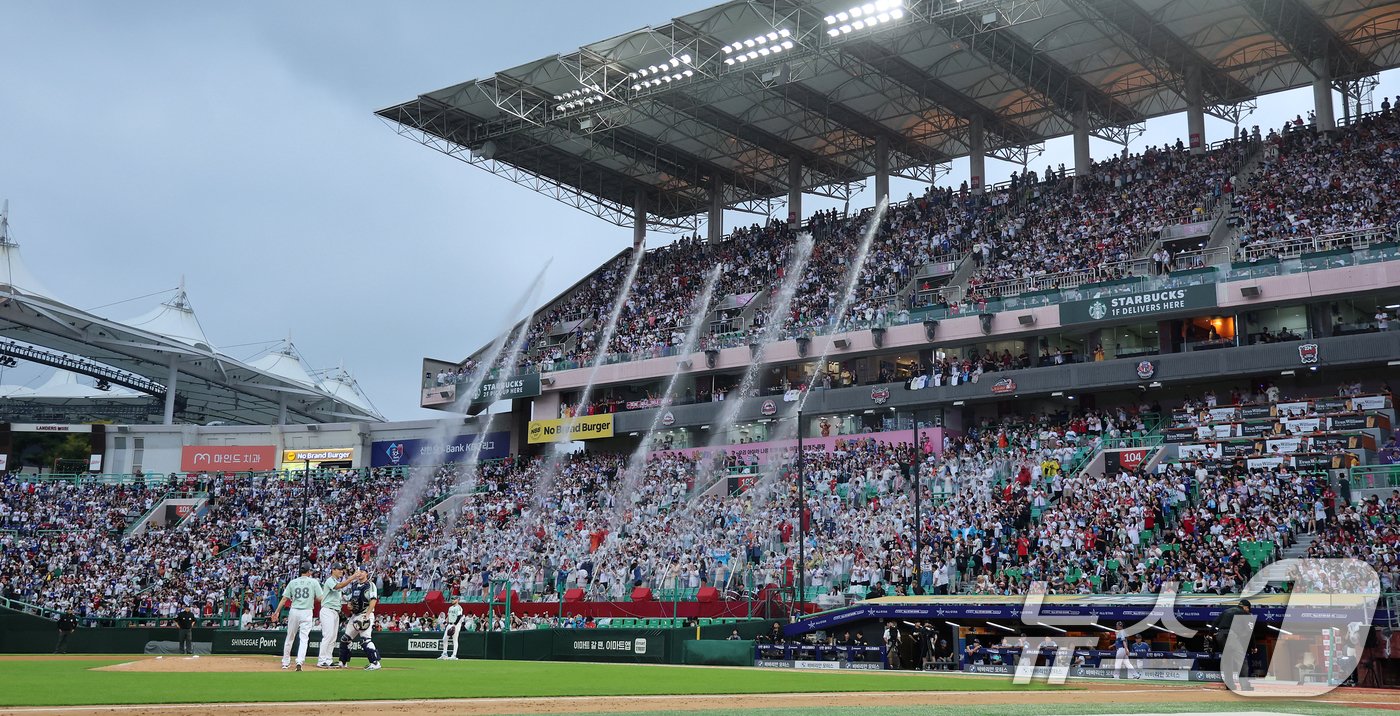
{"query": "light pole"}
{"type": "Point", "coordinates": [305, 500]}
{"type": "Point", "coordinates": [915, 474]}
{"type": "Point", "coordinates": [801, 522]}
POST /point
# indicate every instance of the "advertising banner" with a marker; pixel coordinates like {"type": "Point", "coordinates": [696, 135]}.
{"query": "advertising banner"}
{"type": "Point", "coordinates": [319, 455]}
{"type": "Point", "coordinates": [1199, 452]}
{"type": "Point", "coordinates": [1223, 415]}
{"type": "Point", "coordinates": [1137, 305]}
{"type": "Point", "coordinates": [1331, 405]}
{"type": "Point", "coordinates": [1255, 412]}
{"type": "Point", "coordinates": [416, 451]}
{"type": "Point", "coordinates": [822, 665]}
{"type": "Point", "coordinates": [1369, 402]}
{"type": "Point", "coordinates": [515, 386]}
{"type": "Point", "coordinates": [1302, 425]}
{"type": "Point", "coordinates": [228, 458]}
{"type": "Point", "coordinates": [624, 645]}
{"type": "Point", "coordinates": [586, 427]}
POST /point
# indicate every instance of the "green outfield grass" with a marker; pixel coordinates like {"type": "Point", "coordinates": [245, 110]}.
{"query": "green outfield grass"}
{"type": "Point", "coordinates": [74, 683]}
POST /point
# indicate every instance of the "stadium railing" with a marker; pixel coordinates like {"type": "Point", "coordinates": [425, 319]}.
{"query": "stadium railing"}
{"type": "Point", "coordinates": [1366, 477]}
{"type": "Point", "coordinates": [90, 621]}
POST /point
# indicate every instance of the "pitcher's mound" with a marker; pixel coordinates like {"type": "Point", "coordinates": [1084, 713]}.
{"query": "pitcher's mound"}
{"type": "Point", "coordinates": [204, 664]}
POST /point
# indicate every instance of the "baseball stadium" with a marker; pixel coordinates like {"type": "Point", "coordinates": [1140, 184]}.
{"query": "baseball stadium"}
{"type": "Point", "coordinates": [1115, 435]}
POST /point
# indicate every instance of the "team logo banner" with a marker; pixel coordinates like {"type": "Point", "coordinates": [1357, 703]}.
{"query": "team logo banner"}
{"type": "Point", "coordinates": [228, 458]}
{"type": "Point", "coordinates": [420, 451]}
{"type": "Point", "coordinates": [1134, 305]}
{"type": "Point", "coordinates": [586, 427]}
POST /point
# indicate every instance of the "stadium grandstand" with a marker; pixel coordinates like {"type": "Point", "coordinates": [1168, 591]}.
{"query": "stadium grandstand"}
{"type": "Point", "coordinates": [1150, 375]}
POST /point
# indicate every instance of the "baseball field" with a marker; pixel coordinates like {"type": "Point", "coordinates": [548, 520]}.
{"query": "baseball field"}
{"type": "Point", "coordinates": [256, 686]}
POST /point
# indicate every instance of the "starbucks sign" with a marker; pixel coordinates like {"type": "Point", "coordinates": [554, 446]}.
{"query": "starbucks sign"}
{"type": "Point", "coordinates": [1139, 304]}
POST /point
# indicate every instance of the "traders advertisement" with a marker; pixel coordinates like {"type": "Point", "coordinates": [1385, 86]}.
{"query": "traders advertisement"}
{"type": "Point", "coordinates": [1138, 305]}
{"type": "Point", "coordinates": [515, 386]}
{"type": "Point", "coordinates": [585, 427]}
{"type": "Point", "coordinates": [414, 451]}
{"type": "Point", "coordinates": [228, 458]}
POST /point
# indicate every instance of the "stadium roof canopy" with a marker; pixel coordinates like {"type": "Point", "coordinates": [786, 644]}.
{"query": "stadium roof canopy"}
{"type": "Point", "coordinates": [606, 128]}
{"type": "Point", "coordinates": [143, 354]}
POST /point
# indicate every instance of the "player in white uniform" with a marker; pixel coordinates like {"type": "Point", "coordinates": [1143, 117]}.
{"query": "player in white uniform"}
{"type": "Point", "coordinates": [452, 632]}
{"type": "Point", "coordinates": [301, 594]}
{"type": "Point", "coordinates": [1120, 654]}
{"type": "Point", "coordinates": [330, 615]}
{"type": "Point", "coordinates": [363, 599]}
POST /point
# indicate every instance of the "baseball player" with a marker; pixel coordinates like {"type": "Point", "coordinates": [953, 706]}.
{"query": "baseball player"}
{"type": "Point", "coordinates": [453, 629]}
{"type": "Point", "coordinates": [363, 599]}
{"type": "Point", "coordinates": [330, 615]}
{"type": "Point", "coordinates": [1120, 654]}
{"type": "Point", "coordinates": [301, 593]}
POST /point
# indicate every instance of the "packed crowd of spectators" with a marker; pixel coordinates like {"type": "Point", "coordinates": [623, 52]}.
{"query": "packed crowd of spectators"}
{"type": "Point", "coordinates": [1090, 224]}
{"type": "Point", "coordinates": [1311, 185]}
{"type": "Point", "coordinates": [1002, 505]}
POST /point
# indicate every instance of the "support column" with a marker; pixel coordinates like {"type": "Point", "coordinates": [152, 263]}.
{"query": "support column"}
{"type": "Point", "coordinates": [1322, 95]}
{"type": "Point", "coordinates": [1081, 144]}
{"type": "Point", "coordinates": [639, 222]}
{"type": "Point", "coordinates": [716, 223]}
{"type": "Point", "coordinates": [794, 191]}
{"type": "Point", "coordinates": [1195, 113]}
{"type": "Point", "coordinates": [977, 156]}
{"type": "Point", "coordinates": [282, 408]}
{"type": "Point", "coordinates": [170, 385]}
{"type": "Point", "coordinates": [882, 169]}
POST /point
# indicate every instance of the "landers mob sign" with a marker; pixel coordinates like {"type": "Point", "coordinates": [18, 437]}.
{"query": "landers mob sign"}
{"type": "Point", "coordinates": [1134, 305]}
{"type": "Point", "coordinates": [236, 458]}
{"type": "Point", "coordinates": [515, 386]}
{"type": "Point", "coordinates": [585, 427]}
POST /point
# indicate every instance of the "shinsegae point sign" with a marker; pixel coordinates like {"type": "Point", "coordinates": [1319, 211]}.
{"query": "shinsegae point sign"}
{"type": "Point", "coordinates": [1142, 303]}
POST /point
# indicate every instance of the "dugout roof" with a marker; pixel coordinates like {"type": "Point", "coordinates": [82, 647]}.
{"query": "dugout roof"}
{"type": "Point", "coordinates": [601, 125]}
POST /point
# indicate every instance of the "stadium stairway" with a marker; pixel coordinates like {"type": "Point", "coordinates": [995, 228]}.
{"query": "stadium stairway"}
{"type": "Point", "coordinates": [1299, 548]}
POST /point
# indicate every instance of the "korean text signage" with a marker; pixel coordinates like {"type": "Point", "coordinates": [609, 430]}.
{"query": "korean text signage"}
{"type": "Point", "coordinates": [586, 427]}
{"type": "Point", "coordinates": [319, 455]}
{"type": "Point", "coordinates": [515, 386]}
{"type": "Point", "coordinates": [1135, 305]}
{"type": "Point", "coordinates": [228, 458]}
{"type": "Point", "coordinates": [414, 451]}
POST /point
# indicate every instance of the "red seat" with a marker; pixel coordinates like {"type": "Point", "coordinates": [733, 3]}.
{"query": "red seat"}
{"type": "Point", "coordinates": [573, 595]}
{"type": "Point", "coordinates": [707, 594]}
{"type": "Point", "coordinates": [641, 594]}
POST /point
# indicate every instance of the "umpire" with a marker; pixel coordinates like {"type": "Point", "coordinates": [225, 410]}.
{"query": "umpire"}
{"type": "Point", "coordinates": [185, 620]}
{"type": "Point", "coordinates": [1222, 636]}
{"type": "Point", "coordinates": [67, 624]}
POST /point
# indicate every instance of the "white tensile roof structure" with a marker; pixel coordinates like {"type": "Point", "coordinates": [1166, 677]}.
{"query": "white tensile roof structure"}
{"type": "Point", "coordinates": [148, 354]}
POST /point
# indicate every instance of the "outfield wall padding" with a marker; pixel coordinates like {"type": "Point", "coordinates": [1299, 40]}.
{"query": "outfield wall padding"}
{"type": "Point", "coordinates": [718, 653]}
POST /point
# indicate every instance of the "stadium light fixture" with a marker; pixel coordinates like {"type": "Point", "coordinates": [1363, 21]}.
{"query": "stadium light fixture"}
{"type": "Point", "coordinates": [864, 17]}
{"type": "Point", "coordinates": [1047, 626]}
{"type": "Point", "coordinates": [1000, 626]}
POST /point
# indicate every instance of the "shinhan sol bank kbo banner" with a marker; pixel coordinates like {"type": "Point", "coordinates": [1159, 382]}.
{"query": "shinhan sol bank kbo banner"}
{"type": "Point", "coordinates": [416, 451]}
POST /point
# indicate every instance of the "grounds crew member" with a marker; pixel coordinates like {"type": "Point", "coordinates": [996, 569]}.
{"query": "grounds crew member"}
{"type": "Point", "coordinates": [67, 624]}
{"type": "Point", "coordinates": [185, 621]}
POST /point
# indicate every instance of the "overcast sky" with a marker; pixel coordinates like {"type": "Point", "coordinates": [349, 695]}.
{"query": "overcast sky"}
{"type": "Point", "coordinates": [235, 144]}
